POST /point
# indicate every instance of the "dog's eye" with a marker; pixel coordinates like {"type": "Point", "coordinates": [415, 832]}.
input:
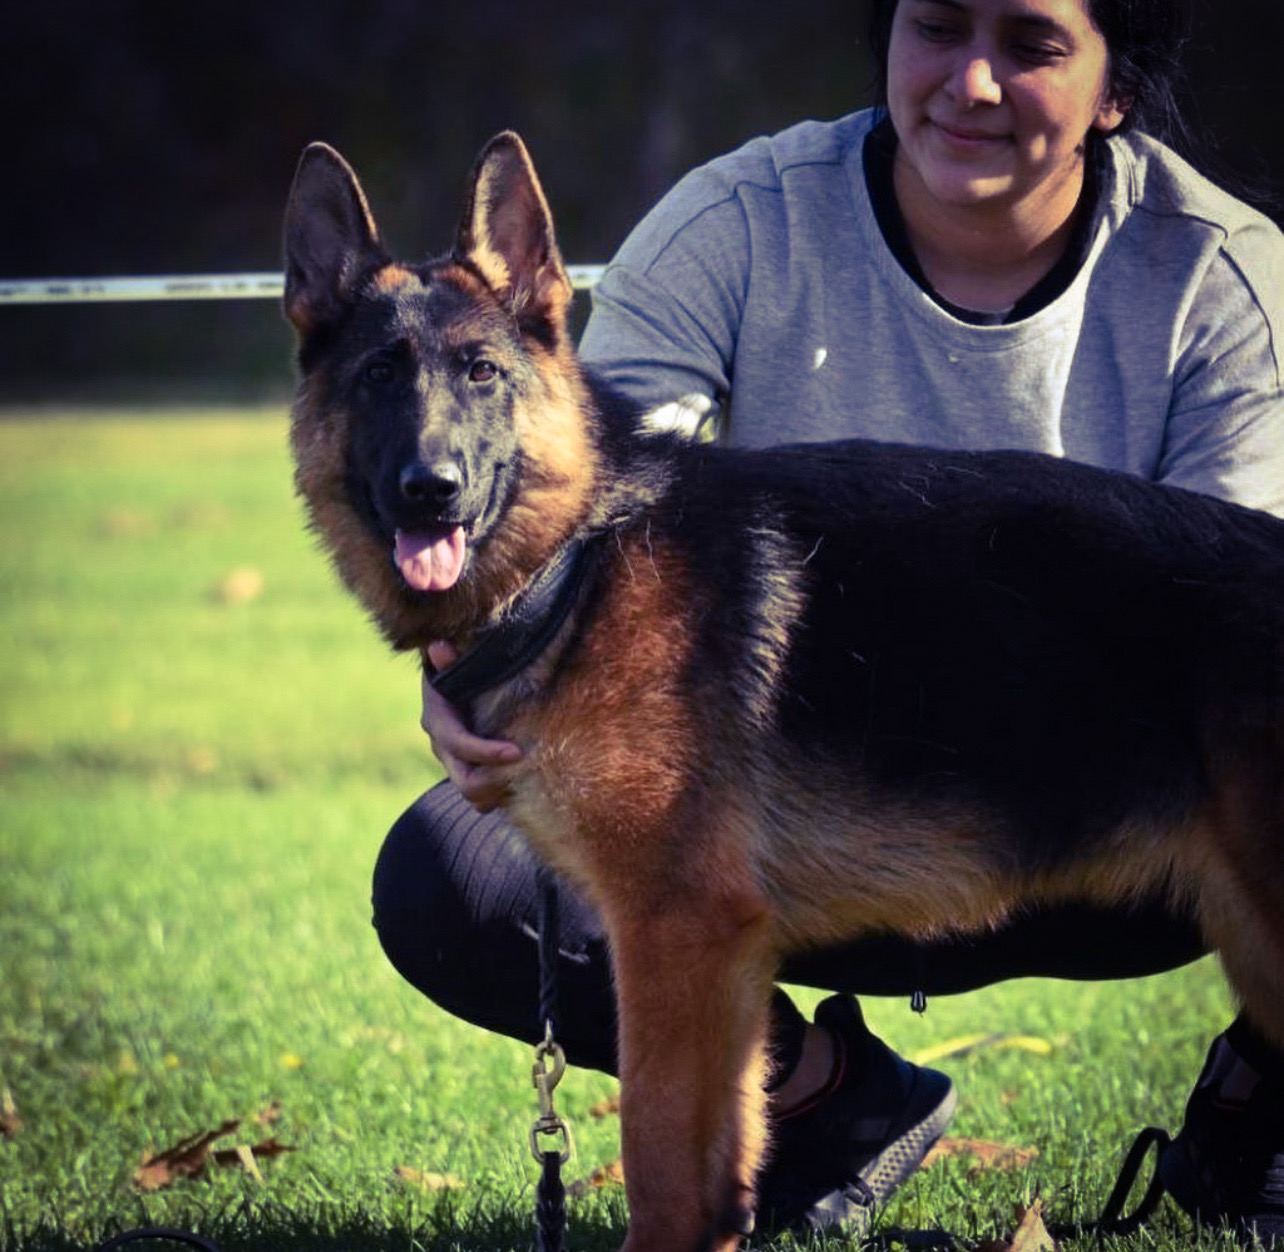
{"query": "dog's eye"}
{"type": "Point", "coordinates": [483, 372]}
{"type": "Point", "coordinates": [378, 373]}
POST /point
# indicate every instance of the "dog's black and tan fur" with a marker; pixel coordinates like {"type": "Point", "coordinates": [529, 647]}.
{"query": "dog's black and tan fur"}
{"type": "Point", "coordinates": [804, 693]}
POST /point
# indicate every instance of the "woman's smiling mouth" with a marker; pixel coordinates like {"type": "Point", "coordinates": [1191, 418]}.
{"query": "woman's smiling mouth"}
{"type": "Point", "coordinates": [968, 137]}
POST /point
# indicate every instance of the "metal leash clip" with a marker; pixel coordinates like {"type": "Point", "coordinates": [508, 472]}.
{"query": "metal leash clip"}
{"type": "Point", "coordinates": [544, 1079]}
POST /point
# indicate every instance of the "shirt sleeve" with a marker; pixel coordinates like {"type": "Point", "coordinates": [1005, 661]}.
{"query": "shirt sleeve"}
{"type": "Point", "coordinates": [1225, 430]}
{"type": "Point", "coordinates": [667, 311]}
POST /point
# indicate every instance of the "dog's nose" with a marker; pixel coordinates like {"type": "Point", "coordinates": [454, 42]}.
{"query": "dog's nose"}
{"type": "Point", "coordinates": [434, 485]}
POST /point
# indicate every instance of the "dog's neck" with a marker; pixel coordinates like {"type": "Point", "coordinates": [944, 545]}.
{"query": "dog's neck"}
{"type": "Point", "coordinates": [528, 626]}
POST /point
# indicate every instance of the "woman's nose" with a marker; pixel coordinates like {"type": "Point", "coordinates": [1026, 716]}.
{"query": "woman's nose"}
{"type": "Point", "coordinates": [974, 82]}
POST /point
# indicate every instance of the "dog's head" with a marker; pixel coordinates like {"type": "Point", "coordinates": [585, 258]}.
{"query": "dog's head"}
{"type": "Point", "coordinates": [439, 429]}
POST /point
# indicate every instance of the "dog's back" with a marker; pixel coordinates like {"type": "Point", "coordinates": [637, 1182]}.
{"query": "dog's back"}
{"type": "Point", "coordinates": [1048, 670]}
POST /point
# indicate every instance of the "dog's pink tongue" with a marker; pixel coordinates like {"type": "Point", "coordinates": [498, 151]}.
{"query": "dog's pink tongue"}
{"type": "Point", "coordinates": [431, 560]}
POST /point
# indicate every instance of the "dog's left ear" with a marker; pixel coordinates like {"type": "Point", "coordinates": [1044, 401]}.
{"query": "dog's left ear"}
{"type": "Point", "coordinates": [507, 233]}
{"type": "Point", "coordinates": [330, 238]}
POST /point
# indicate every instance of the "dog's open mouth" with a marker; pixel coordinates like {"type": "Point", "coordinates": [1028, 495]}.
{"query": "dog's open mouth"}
{"type": "Point", "coordinates": [430, 560]}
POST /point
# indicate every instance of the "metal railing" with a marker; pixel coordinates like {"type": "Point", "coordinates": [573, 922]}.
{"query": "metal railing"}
{"type": "Point", "coordinates": [260, 286]}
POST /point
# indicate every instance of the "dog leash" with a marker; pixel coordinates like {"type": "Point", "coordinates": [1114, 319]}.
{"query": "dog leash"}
{"type": "Point", "coordinates": [1112, 1220]}
{"type": "Point", "coordinates": [498, 654]}
{"type": "Point", "coordinates": [158, 1234]}
{"type": "Point", "coordinates": [549, 1127]}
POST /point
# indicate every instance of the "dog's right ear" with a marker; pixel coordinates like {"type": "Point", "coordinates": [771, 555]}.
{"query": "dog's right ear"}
{"type": "Point", "coordinates": [330, 238]}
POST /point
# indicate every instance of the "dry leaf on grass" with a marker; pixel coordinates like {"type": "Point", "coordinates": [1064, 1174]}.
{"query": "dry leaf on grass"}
{"type": "Point", "coordinates": [1031, 1235]}
{"type": "Point", "coordinates": [611, 1175]}
{"type": "Point", "coordinates": [266, 1116]}
{"type": "Point", "coordinates": [10, 1122]}
{"type": "Point", "coordinates": [970, 1043]}
{"type": "Point", "coordinates": [264, 1150]}
{"type": "Point", "coordinates": [606, 1108]}
{"type": "Point", "coordinates": [192, 1157]}
{"type": "Point", "coordinates": [240, 586]}
{"type": "Point", "coordinates": [987, 1154]}
{"type": "Point", "coordinates": [426, 1180]}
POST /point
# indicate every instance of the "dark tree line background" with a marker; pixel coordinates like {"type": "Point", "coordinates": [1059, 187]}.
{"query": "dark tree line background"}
{"type": "Point", "coordinates": [148, 137]}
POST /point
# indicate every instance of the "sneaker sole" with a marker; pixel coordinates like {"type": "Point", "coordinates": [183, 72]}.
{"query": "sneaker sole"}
{"type": "Point", "coordinates": [851, 1209]}
{"type": "Point", "coordinates": [896, 1162]}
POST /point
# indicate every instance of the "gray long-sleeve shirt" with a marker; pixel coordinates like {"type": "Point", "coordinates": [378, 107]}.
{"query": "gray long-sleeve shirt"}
{"type": "Point", "coordinates": [762, 283]}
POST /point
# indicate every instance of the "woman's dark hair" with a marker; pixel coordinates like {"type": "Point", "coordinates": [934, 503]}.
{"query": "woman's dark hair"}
{"type": "Point", "coordinates": [1145, 40]}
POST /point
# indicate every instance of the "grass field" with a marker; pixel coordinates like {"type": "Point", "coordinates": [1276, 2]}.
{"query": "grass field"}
{"type": "Point", "coordinates": [202, 744]}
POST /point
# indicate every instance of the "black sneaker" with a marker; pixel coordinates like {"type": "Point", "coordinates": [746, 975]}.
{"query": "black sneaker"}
{"type": "Point", "coordinates": [1226, 1166]}
{"type": "Point", "coordinates": [835, 1160]}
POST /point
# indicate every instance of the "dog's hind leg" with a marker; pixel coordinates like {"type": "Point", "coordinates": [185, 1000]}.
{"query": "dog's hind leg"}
{"type": "Point", "coordinates": [693, 981]}
{"type": "Point", "coordinates": [1243, 922]}
{"type": "Point", "coordinates": [1241, 894]}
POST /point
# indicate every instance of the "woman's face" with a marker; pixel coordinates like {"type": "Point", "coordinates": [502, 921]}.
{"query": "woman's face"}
{"type": "Point", "coordinates": [991, 99]}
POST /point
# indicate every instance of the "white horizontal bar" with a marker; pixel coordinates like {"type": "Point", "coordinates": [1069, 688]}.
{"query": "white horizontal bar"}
{"type": "Point", "coordinates": [165, 287]}
{"type": "Point", "coordinates": [264, 286]}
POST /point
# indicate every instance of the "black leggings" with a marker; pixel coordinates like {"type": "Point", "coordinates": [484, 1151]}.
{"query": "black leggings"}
{"type": "Point", "coordinates": [455, 905]}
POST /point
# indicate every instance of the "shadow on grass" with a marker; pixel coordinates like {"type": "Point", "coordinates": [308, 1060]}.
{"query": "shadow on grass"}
{"type": "Point", "coordinates": [451, 1229]}
{"type": "Point", "coordinates": [283, 1231]}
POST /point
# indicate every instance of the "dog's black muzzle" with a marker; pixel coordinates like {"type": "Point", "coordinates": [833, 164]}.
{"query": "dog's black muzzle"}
{"type": "Point", "coordinates": [417, 494]}
{"type": "Point", "coordinates": [433, 488]}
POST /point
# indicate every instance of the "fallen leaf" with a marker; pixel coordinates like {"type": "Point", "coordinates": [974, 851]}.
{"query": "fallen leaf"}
{"type": "Point", "coordinates": [188, 1158]}
{"type": "Point", "coordinates": [970, 1043]}
{"type": "Point", "coordinates": [266, 1150]}
{"type": "Point", "coordinates": [426, 1180]}
{"type": "Point", "coordinates": [202, 761]}
{"type": "Point", "coordinates": [951, 1047]}
{"type": "Point", "coordinates": [1028, 1043]}
{"type": "Point", "coordinates": [10, 1122]}
{"type": "Point", "coordinates": [611, 1175]}
{"type": "Point", "coordinates": [245, 1155]}
{"type": "Point", "coordinates": [266, 1116]}
{"type": "Point", "coordinates": [988, 1155]}
{"type": "Point", "coordinates": [191, 1157]}
{"type": "Point", "coordinates": [1031, 1235]}
{"type": "Point", "coordinates": [240, 586]}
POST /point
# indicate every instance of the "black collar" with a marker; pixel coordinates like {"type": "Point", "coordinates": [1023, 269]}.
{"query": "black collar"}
{"type": "Point", "coordinates": [526, 629]}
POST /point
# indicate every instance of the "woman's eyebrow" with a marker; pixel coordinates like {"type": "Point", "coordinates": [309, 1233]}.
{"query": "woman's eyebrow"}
{"type": "Point", "coordinates": [1033, 21]}
{"type": "Point", "coordinates": [1044, 25]}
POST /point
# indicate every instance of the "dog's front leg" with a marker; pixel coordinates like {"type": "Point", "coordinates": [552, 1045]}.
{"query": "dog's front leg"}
{"type": "Point", "coordinates": [693, 982]}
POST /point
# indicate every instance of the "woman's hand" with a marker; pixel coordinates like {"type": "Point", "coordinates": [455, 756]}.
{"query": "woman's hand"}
{"type": "Point", "coordinates": [475, 765]}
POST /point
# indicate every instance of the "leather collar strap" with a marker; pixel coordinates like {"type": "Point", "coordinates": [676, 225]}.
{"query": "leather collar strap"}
{"type": "Point", "coordinates": [534, 618]}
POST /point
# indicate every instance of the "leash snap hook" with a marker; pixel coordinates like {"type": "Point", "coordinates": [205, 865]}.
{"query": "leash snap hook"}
{"type": "Point", "coordinates": [549, 1122]}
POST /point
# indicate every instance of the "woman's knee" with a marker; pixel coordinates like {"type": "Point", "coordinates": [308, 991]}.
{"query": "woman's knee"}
{"type": "Point", "coordinates": [423, 913]}
{"type": "Point", "coordinates": [456, 907]}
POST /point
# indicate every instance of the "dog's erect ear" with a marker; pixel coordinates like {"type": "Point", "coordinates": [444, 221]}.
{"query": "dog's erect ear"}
{"type": "Point", "coordinates": [507, 233]}
{"type": "Point", "coordinates": [330, 237]}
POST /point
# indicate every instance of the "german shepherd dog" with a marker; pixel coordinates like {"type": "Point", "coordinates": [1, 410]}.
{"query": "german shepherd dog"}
{"type": "Point", "coordinates": [793, 695]}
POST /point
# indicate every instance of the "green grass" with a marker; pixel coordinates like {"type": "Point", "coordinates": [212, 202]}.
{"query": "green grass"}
{"type": "Point", "coordinates": [193, 789]}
